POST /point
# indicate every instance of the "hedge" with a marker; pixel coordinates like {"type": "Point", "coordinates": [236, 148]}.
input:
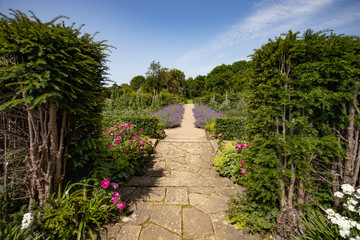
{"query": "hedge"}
{"type": "Point", "coordinates": [230, 127]}
{"type": "Point", "coordinates": [150, 124]}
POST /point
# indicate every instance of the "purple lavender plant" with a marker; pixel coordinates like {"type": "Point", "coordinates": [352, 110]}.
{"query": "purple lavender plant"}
{"type": "Point", "coordinates": [204, 114]}
{"type": "Point", "coordinates": [171, 115]}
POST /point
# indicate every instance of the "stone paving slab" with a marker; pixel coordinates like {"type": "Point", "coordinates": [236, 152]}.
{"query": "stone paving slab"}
{"type": "Point", "coordinates": [167, 216]}
{"type": "Point", "coordinates": [196, 224]}
{"type": "Point", "coordinates": [153, 232]}
{"type": "Point", "coordinates": [181, 196]}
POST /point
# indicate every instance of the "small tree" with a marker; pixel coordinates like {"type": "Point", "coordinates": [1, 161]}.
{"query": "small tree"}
{"type": "Point", "coordinates": [55, 76]}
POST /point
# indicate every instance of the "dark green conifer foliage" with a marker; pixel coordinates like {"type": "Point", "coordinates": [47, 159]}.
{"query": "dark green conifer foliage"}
{"type": "Point", "coordinates": [55, 75]}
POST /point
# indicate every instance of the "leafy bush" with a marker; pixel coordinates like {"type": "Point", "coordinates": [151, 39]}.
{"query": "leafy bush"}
{"type": "Point", "coordinates": [318, 227]}
{"type": "Point", "coordinates": [204, 114]}
{"type": "Point", "coordinates": [149, 124]}
{"type": "Point", "coordinates": [251, 216]}
{"type": "Point", "coordinates": [230, 127]}
{"type": "Point", "coordinates": [334, 225]}
{"type": "Point", "coordinates": [78, 211]}
{"type": "Point", "coordinates": [127, 150]}
{"type": "Point", "coordinates": [171, 115]}
{"type": "Point", "coordinates": [13, 229]}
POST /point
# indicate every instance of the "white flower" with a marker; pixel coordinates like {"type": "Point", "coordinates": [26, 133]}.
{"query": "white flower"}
{"type": "Point", "coordinates": [347, 189]}
{"type": "Point", "coordinates": [339, 194]}
{"type": "Point", "coordinates": [352, 201]}
{"type": "Point", "coordinates": [344, 233]}
{"type": "Point", "coordinates": [350, 207]}
{"type": "Point", "coordinates": [27, 220]}
{"type": "Point", "coordinates": [330, 212]}
{"type": "Point", "coordinates": [357, 195]}
{"type": "Point", "coordinates": [358, 226]}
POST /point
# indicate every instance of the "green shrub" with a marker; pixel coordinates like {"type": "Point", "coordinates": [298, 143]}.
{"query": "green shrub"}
{"type": "Point", "coordinates": [230, 127]}
{"type": "Point", "coordinates": [127, 150]}
{"type": "Point", "coordinates": [77, 211]}
{"type": "Point", "coordinates": [149, 124]}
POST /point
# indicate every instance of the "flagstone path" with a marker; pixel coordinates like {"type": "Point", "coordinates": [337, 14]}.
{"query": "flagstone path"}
{"type": "Point", "coordinates": [181, 196]}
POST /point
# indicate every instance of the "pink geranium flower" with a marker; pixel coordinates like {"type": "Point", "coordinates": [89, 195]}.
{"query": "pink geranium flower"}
{"type": "Point", "coordinates": [121, 205]}
{"type": "Point", "coordinates": [243, 171]}
{"type": "Point", "coordinates": [114, 200]}
{"type": "Point", "coordinates": [105, 183]}
{"type": "Point", "coordinates": [115, 195]}
{"type": "Point", "coordinates": [115, 185]}
{"type": "Point", "coordinates": [241, 163]}
{"type": "Point", "coordinates": [111, 146]}
{"type": "Point", "coordinates": [220, 135]}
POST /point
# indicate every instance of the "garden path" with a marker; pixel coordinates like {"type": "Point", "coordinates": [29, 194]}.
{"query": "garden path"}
{"type": "Point", "coordinates": [181, 196]}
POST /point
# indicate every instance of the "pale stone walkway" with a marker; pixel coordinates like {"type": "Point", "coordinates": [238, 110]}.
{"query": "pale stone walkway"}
{"type": "Point", "coordinates": [181, 196]}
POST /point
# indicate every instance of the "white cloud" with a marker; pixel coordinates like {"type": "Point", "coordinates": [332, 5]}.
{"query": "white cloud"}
{"type": "Point", "coordinates": [268, 19]}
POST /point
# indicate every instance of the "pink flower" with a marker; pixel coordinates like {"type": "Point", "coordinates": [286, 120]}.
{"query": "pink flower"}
{"type": "Point", "coordinates": [114, 200]}
{"type": "Point", "coordinates": [118, 138]}
{"type": "Point", "coordinates": [115, 195]}
{"type": "Point", "coordinates": [121, 205]}
{"type": "Point", "coordinates": [105, 183]}
{"type": "Point", "coordinates": [116, 133]}
{"type": "Point", "coordinates": [243, 171]}
{"type": "Point", "coordinates": [241, 163]}
{"type": "Point", "coordinates": [122, 130]}
{"type": "Point", "coordinates": [141, 142]}
{"type": "Point", "coordinates": [115, 185]}
{"type": "Point", "coordinates": [111, 145]}
{"type": "Point", "coordinates": [141, 129]}
{"type": "Point", "coordinates": [127, 152]}
{"type": "Point", "coordinates": [220, 135]}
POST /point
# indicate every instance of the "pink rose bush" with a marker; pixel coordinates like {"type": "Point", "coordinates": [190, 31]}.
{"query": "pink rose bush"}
{"type": "Point", "coordinates": [127, 150]}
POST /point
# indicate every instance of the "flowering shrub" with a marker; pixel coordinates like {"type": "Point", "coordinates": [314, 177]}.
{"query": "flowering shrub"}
{"type": "Point", "coordinates": [348, 222]}
{"type": "Point", "coordinates": [171, 115]}
{"type": "Point", "coordinates": [80, 209]}
{"type": "Point", "coordinates": [127, 150]}
{"type": "Point", "coordinates": [205, 115]}
{"type": "Point", "coordinates": [229, 162]}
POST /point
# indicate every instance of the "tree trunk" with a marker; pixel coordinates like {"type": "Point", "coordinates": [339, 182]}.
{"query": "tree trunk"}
{"type": "Point", "coordinates": [352, 145]}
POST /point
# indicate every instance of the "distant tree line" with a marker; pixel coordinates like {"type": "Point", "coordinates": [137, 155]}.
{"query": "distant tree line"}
{"type": "Point", "coordinates": [222, 79]}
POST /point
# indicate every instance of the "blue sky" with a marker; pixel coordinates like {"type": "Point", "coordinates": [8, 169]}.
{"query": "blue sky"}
{"type": "Point", "coordinates": [193, 36]}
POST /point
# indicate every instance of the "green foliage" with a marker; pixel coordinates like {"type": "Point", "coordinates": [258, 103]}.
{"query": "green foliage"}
{"type": "Point", "coordinates": [77, 211]}
{"type": "Point", "coordinates": [251, 216]}
{"type": "Point", "coordinates": [227, 162]}
{"type": "Point", "coordinates": [318, 227]}
{"type": "Point", "coordinates": [127, 151]}
{"type": "Point", "coordinates": [11, 229]}
{"type": "Point", "coordinates": [230, 127]}
{"type": "Point", "coordinates": [150, 125]}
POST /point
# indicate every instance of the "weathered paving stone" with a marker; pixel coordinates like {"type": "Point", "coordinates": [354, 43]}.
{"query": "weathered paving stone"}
{"type": "Point", "coordinates": [129, 232]}
{"type": "Point", "coordinates": [176, 195]}
{"type": "Point", "coordinates": [213, 204]}
{"type": "Point", "coordinates": [153, 232]}
{"type": "Point", "coordinates": [141, 212]}
{"type": "Point", "coordinates": [149, 194]}
{"type": "Point", "coordinates": [202, 190]}
{"type": "Point", "coordinates": [168, 217]}
{"type": "Point", "coordinates": [208, 172]}
{"type": "Point", "coordinates": [196, 198]}
{"type": "Point", "coordinates": [196, 224]}
{"type": "Point", "coordinates": [125, 193]}
{"type": "Point", "coordinates": [225, 231]}
{"type": "Point", "coordinates": [182, 174]}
